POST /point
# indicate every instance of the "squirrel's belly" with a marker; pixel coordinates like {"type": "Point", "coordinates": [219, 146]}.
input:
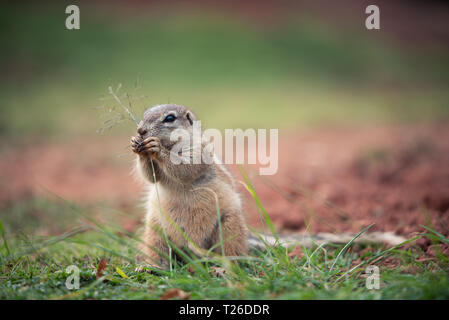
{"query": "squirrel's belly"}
{"type": "Point", "coordinates": [180, 206]}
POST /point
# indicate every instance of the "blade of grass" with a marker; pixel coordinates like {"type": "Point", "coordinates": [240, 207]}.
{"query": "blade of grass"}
{"type": "Point", "coordinates": [377, 256]}
{"type": "Point", "coordinates": [342, 251]}
{"type": "Point", "coordinates": [437, 235]}
{"type": "Point", "coordinates": [121, 273]}
{"type": "Point", "coordinates": [46, 243]}
{"type": "Point", "coordinates": [253, 193]}
{"type": "Point", "coordinates": [5, 243]}
{"type": "Point", "coordinates": [162, 216]}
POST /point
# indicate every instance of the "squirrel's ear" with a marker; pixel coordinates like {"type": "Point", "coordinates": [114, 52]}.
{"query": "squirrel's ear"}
{"type": "Point", "coordinates": [190, 117]}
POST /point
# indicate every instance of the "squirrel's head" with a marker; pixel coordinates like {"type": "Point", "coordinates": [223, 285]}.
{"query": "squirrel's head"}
{"type": "Point", "coordinates": [160, 121]}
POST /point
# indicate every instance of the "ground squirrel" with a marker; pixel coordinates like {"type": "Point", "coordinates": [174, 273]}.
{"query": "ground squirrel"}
{"type": "Point", "coordinates": [186, 193]}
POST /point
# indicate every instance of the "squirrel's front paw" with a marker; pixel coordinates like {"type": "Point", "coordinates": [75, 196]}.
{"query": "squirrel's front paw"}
{"type": "Point", "coordinates": [137, 144]}
{"type": "Point", "coordinates": [151, 145]}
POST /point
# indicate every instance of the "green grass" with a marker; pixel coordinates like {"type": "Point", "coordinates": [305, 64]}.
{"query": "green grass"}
{"type": "Point", "coordinates": [270, 275]}
{"type": "Point", "coordinates": [34, 267]}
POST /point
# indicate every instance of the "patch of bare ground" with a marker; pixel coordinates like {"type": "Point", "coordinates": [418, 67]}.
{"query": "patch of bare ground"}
{"type": "Point", "coordinates": [341, 180]}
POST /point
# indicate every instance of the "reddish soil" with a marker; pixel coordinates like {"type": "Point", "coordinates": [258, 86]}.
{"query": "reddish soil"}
{"type": "Point", "coordinates": [343, 180]}
{"type": "Point", "coordinates": [334, 180]}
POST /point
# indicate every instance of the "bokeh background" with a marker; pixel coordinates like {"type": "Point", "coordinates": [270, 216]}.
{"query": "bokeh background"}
{"type": "Point", "coordinates": [362, 113]}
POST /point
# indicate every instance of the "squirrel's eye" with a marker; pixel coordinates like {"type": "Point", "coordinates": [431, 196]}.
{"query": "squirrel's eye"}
{"type": "Point", "coordinates": [169, 118]}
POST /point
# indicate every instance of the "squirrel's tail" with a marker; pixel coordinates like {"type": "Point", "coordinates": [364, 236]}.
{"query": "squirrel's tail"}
{"type": "Point", "coordinates": [309, 240]}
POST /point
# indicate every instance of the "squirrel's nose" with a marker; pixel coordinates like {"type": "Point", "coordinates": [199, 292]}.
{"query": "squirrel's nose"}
{"type": "Point", "coordinates": [142, 131]}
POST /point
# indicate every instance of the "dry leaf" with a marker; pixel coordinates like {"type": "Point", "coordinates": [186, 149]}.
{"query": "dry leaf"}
{"type": "Point", "coordinates": [175, 293]}
{"type": "Point", "coordinates": [121, 273]}
{"type": "Point", "coordinates": [101, 266]}
{"type": "Point", "coordinates": [190, 270]}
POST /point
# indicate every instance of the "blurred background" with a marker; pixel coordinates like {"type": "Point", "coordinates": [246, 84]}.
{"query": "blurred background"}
{"type": "Point", "coordinates": [362, 113]}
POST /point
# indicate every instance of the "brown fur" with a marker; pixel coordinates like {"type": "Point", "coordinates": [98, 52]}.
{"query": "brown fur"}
{"type": "Point", "coordinates": [188, 193]}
